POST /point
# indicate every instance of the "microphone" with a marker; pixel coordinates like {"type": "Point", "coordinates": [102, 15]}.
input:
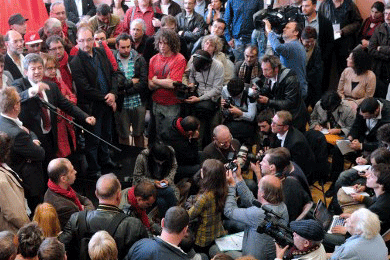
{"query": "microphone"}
{"type": "Point", "coordinates": [266, 208]}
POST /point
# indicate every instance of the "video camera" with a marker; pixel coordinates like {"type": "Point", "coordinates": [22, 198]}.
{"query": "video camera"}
{"type": "Point", "coordinates": [272, 226]}
{"type": "Point", "coordinates": [183, 91]}
{"type": "Point", "coordinates": [278, 17]}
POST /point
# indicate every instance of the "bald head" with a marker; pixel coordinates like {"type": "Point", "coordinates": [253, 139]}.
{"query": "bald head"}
{"type": "Point", "coordinates": [14, 42]}
{"type": "Point", "coordinates": [222, 137]}
{"type": "Point", "coordinates": [58, 167]}
{"type": "Point", "coordinates": [107, 187]}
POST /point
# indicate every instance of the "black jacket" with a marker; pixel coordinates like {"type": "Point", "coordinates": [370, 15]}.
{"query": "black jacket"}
{"type": "Point", "coordinates": [129, 231]}
{"type": "Point", "coordinates": [71, 9]}
{"type": "Point", "coordinates": [26, 157]}
{"type": "Point", "coordinates": [359, 128]}
{"type": "Point", "coordinates": [325, 35]}
{"type": "Point", "coordinates": [381, 58]}
{"type": "Point", "coordinates": [285, 95]}
{"type": "Point", "coordinates": [314, 73]}
{"type": "Point", "coordinates": [12, 68]}
{"type": "Point", "coordinates": [89, 96]}
{"type": "Point", "coordinates": [31, 114]}
{"type": "Point", "coordinates": [197, 21]}
{"type": "Point", "coordinates": [186, 151]}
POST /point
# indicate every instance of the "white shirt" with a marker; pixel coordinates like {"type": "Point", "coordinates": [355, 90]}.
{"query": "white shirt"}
{"type": "Point", "coordinates": [164, 8]}
{"type": "Point", "coordinates": [34, 91]}
{"type": "Point", "coordinates": [15, 120]}
{"type": "Point", "coordinates": [371, 123]}
{"type": "Point", "coordinates": [282, 138]}
{"type": "Point", "coordinates": [79, 4]}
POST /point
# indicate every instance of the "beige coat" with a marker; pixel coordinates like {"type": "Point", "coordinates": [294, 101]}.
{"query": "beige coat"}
{"type": "Point", "coordinates": [13, 214]}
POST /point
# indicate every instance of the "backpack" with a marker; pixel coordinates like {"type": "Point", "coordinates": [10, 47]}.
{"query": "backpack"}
{"type": "Point", "coordinates": [86, 234]}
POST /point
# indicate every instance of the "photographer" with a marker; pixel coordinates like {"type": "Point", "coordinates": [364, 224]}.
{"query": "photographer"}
{"type": "Point", "coordinates": [132, 91]}
{"type": "Point", "coordinates": [260, 246]}
{"type": "Point", "coordinates": [207, 73]}
{"type": "Point", "coordinates": [281, 91]}
{"type": "Point", "coordinates": [308, 235]}
{"type": "Point", "coordinates": [238, 110]}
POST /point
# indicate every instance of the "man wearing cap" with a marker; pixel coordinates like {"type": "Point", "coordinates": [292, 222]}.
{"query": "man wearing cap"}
{"type": "Point", "coordinates": [18, 23]}
{"type": "Point", "coordinates": [14, 57]}
{"type": "Point", "coordinates": [307, 235]}
{"type": "Point", "coordinates": [32, 42]}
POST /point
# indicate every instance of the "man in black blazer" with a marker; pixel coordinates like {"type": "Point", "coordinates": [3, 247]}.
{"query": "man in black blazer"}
{"type": "Point", "coordinates": [292, 139]}
{"type": "Point", "coordinates": [71, 7]}
{"type": "Point", "coordinates": [14, 57]}
{"type": "Point", "coordinates": [33, 115]}
{"type": "Point", "coordinates": [26, 153]}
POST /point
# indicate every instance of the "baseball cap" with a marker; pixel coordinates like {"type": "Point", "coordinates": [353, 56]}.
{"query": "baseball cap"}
{"type": "Point", "coordinates": [16, 19]}
{"type": "Point", "coordinates": [31, 38]}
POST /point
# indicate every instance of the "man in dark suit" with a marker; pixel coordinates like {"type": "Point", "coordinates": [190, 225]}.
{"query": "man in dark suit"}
{"type": "Point", "coordinates": [292, 139]}
{"type": "Point", "coordinates": [37, 117]}
{"type": "Point", "coordinates": [26, 153]}
{"type": "Point", "coordinates": [14, 57]}
{"type": "Point", "coordinates": [73, 9]}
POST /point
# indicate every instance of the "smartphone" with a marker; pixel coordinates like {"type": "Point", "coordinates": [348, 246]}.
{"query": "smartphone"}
{"type": "Point", "coordinates": [163, 185]}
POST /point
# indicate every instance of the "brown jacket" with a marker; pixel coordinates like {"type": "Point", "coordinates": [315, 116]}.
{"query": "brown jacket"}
{"type": "Point", "coordinates": [13, 214]}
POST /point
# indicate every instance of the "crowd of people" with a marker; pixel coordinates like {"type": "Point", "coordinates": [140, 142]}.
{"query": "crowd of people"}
{"type": "Point", "coordinates": [234, 115]}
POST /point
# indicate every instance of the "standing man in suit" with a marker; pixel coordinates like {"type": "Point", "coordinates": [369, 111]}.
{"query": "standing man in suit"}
{"type": "Point", "coordinates": [36, 116]}
{"type": "Point", "coordinates": [292, 139]}
{"type": "Point", "coordinates": [96, 86]}
{"type": "Point", "coordinates": [75, 9]}
{"type": "Point", "coordinates": [14, 57]}
{"type": "Point", "coordinates": [26, 153]}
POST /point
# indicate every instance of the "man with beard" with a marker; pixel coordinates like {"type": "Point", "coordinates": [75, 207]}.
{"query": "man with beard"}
{"type": "Point", "coordinates": [133, 65]}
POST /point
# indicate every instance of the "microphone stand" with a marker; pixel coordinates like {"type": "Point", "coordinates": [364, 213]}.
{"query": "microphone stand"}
{"type": "Point", "coordinates": [54, 110]}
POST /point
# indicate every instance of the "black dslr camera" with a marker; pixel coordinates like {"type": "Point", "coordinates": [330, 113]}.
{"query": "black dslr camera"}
{"type": "Point", "coordinates": [273, 227]}
{"type": "Point", "coordinates": [229, 102]}
{"type": "Point", "coordinates": [183, 91]}
{"type": "Point", "coordinates": [278, 17]}
{"type": "Point", "coordinates": [231, 165]}
{"type": "Point", "coordinates": [259, 88]}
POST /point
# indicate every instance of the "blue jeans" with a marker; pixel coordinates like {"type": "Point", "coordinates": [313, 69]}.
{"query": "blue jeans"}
{"type": "Point", "coordinates": [259, 39]}
{"type": "Point", "coordinates": [165, 199]}
{"type": "Point", "coordinates": [239, 48]}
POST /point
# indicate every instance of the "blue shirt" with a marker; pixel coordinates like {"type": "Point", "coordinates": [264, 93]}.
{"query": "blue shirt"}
{"type": "Point", "coordinates": [293, 56]}
{"type": "Point", "coordinates": [239, 18]}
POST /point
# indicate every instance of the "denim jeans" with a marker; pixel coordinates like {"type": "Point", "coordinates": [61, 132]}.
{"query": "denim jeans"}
{"type": "Point", "coordinates": [239, 48]}
{"type": "Point", "coordinates": [259, 39]}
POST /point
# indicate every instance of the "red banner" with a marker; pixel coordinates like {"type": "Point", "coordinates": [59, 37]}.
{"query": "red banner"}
{"type": "Point", "coordinates": [33, 10]}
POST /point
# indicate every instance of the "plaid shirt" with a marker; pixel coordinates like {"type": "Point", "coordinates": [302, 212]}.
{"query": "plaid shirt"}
{"type": "Point", "coordinates": [210, 226]}
{"type": "Point", "coordinates": [133, 101]}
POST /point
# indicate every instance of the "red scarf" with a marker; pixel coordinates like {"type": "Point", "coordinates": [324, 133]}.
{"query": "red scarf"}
{"type": "Point", "coordinates": [141, 212]}
{"type": "Point", "coordinates": [367, 31]}
{"type": "Point", "coordinates": [65, 72]}
{"type": "Point", "coordinates": [69, 193]}
{"type": "Point", "coordinates": [179, 126]}
{"type": "Point", "coordinates": [65, 29]}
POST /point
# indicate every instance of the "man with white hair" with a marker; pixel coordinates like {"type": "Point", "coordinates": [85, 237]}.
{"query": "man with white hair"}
{"type": "Point", "coordinates": [138, 36]}
{"type": "Point", "coordinates": [57, 10]}
{"type": "Point", "coordinates": [365, 242]}
{"type": "Point", "coordinates": [53, 26]}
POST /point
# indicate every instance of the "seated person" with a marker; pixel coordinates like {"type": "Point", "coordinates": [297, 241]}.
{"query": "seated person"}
{"type": "Point", "coordinates": [102, 246]}
{"type": "Point", "coordinates": [209, 204]}
{"type": "Point", "coordinates": [249, 68]}
{"type": "Point", "coordinates": [208, 73]}
{"type": "Point", "coordinates": [60, 193]}
{"type": "Point", "coordinates": [365, 242]}
{"type": "Point", "coordinates": [297, 200]}
{"type": "Point", "coordinates": [259, 245]}
{"type": "Point", "coordinates": [182, 136]}
{"type": "Point", "coordinates": [314, 65]}
{"type": "Point", "coordinates": [264, 121]}
{"type": "Point", "coordinates": [222, 144]}
{"type": "Point", "coordinates": [158, 165]}
{"type": "Point", "coordinates": [308, 235]}
{"type": "Point", "coordinates": [369, 25]}
{"type": "Point", "coordinates": [239, 110]}
{"type": "Point", "coordinates": [357, 81]}
{"type": "Point", "coordinates": [378, 178]}
{"type": "Point", "coordinates": [30, 237]}
{"type": "Point", "coordinates": [136, 200]}
{"type": "Point", "coordinates": [333, 114]}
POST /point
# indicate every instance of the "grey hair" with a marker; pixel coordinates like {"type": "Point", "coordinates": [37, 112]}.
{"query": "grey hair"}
{"type": "Point", "coordinates": [31, 58]}
{"type": "Point", "coordinates": [220, 128]}
{"type": "Point", "coordinates": [58, 2]}
{"type": "Point", "coordinates": [139, 21]}
{"type": "Point", "coordinates": [214, 39]}
{"type": "Point", "coordinates": [52, 23]}
{"type": "Point", "coordinates": [367, 223]}
{"type": "Point", "coordinates": [7, 246]}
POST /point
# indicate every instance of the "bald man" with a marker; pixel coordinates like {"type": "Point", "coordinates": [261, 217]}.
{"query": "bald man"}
{"type": "Point", "coordinates": [60, 193]}
{"type": "Point", "coordinates": [108, 192]}
{"type": "Point", "coordinates": [14, 57]}
{"type": "Point", "coordinates": [270, 194]}
{"type": "Point", "coordinates": [222, 144]}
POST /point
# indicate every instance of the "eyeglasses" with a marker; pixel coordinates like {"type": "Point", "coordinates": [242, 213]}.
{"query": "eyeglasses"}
{"type": "Point", "coordinates": [225, 143]}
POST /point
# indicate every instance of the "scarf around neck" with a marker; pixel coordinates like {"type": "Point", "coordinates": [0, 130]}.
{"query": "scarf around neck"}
{"type": "Point", "coordinates": [140, 212]}
{"type": "Point", "coordinates": [69, 193]}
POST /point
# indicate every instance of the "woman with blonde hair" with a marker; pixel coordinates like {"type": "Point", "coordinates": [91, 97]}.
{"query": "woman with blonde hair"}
{"type": "Point", "coordinates": [46, 217]}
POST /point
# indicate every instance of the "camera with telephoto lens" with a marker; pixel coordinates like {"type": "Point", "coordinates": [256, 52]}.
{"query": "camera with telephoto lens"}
{"type": "Point", "coordinates": [231, 165]}
{"type": "Point", "coordinates": [278, 17]}
{"type": "Point", "coordinates": [244, 157]}
{"type": "Point", "coordinates": [229, 102]}
{"type": "Point", "coordinates": [272, 226]}
{"type": "Point", "coordinates": [183, 91]}
{"type": "Point", "coordinates": [259, 88]}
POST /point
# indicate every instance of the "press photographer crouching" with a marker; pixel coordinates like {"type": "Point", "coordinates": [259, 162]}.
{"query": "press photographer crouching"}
{"type": "Point", "coordinates": [239, 110]}
{"type": "Point", "coordinates": [307, 237]}
{"type": "Point", "coordinates": [207, 73]}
